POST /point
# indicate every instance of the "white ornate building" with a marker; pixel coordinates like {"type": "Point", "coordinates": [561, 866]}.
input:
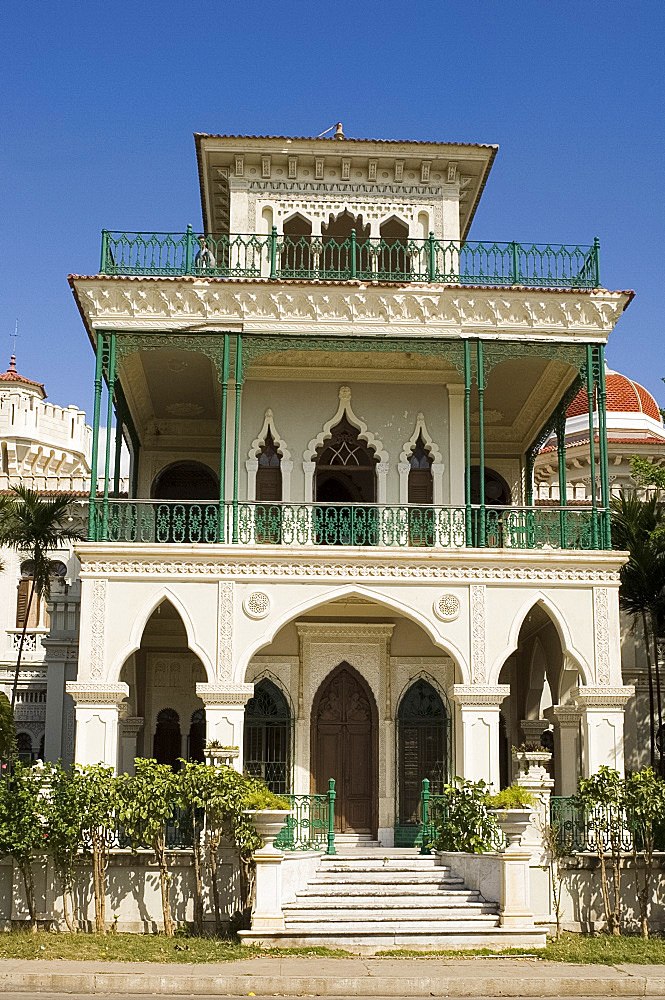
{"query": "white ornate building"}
{"type": "Point", "coordinates": [46, 448]}
{"type": "Point", "coordinates": [331, 556]}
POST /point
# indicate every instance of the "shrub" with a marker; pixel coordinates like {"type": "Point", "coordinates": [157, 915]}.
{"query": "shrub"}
{"type": "Point", "coordinates": [466, 824]}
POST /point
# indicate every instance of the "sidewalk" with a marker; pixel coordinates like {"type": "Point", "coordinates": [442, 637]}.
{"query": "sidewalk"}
{"type": "Point", "coordinates": [335, 977]}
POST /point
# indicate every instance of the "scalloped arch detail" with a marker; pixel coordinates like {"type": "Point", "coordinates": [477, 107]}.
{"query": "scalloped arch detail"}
{"type": "Point", "coordinates": [258, 442]}
{"type": "Point", "coordinates": [432, 447]}
{"type": "Point", "coordinates": [345, 410]}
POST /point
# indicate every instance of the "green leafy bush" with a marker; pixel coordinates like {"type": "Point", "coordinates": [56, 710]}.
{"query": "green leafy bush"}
{"type": "Point", "coordinates": [513, 797]}
{"type": "Point", "coordinates": [466, 824]}
{"type": "Point", "coordinates": [260, 797]}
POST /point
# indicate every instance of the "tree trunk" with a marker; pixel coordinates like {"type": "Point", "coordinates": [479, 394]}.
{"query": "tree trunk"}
{"type": "Point", "coordinates": [198, 877]}
{"type": "Point", "coordinates": [213, 844]}
{"type": "Point", "coordinates": [29, 884]}
{"type": "Point", "coordinates": [67, 897]}
{"type": "Point", "coordinates": [659, 700]}
{"type": "Point", "coordinates": [20, 645]}
{"type": "Point", "coordinates": [652, 728]}
{"type": "Point", "coordinates": [99, 885]}
{"type": "Point", "coordinates": [164, 880]}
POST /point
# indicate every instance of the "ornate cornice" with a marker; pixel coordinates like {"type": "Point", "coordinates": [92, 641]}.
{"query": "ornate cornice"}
{"type": "Point", "coordinates": [326, 632]}
{"type": "Point", "coordinates": [224, 694]}
{"type": "Point", "coordinates": [207, 304]}
{"type": "Point", "coordinates": [101, 560]}
{"type": "Point", "coordinates": [480, 695]}
{"type": "Point", "coordinates": [94, 693]}
{"type": "Point", "coordinates": [603, 697]}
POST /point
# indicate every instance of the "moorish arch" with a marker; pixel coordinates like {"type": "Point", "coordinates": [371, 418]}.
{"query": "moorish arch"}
{"type": "Point", "coordinates": [162, 595]}
{"type": "Point", "coordinates": [165, 713]}
{"type": "Point", "coordinates": [322, 599]}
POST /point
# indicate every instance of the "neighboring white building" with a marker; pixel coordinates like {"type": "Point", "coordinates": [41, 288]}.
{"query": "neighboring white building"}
{"type": "Point", "coordinates": [46, 448]}
{"type": "Point", "coordinates": [634, 427]}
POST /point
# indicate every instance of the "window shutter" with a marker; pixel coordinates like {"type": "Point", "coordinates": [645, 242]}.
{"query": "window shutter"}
{"type": "Point", "coordinates": [268, 484]}
{"type": "Point", "coordinates": [22, 598]}
{"type": "Point", "coordinates": [421, 487]}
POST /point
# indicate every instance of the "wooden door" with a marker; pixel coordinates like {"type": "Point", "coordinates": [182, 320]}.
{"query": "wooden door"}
{"type": "Point", "coordinates": [343, 735]}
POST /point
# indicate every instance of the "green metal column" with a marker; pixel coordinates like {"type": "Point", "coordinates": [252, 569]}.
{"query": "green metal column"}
{"type": "Point", "coordinates": [560, 427]}
{"type": "Point", "coordinates": [602, 449]}
{"type": "Point", "coordinates": [481, 442]}
{"type": "Point", "coordinates": [592, 456]}
{"type": "Point", "coordinates": [119, 422]}
{"type": "Point", "coordinates": [109, 421]}
{"type": "Point", "coordinates": [467, 441]}
{"type": "Point", "coordinates": [236, 434]}
{"type": "Point", "coordinates": [222, 443]}
{"type": "Point", "coordinates": [99, 362]}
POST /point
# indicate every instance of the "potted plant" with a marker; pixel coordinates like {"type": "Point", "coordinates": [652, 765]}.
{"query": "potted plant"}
{"type": "Point", "coordinates": [215, 753]}
{"type": "Point", "coordinates": [513, 808]}
{"type": "Point", "coordinates": [531, 755]}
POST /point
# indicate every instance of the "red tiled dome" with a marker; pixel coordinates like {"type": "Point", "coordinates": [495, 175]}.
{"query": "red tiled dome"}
{"type": "Point", "coordinates": [623, 396]}
{"type": "Point", "coordinates": [11, 375]}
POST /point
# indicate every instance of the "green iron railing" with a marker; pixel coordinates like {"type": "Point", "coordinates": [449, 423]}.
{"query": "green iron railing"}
{"type": "Point", "coordinates": [311, 825]}
{"type": "Point", "coordinates": [381, 525]}
{"type": "Point", "coordinates": [578, 830]}
{"type": "Point", "coordinates": [329, 258]}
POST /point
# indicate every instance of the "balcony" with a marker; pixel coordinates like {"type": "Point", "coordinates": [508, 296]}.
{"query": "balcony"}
{"type": "Point", "coordinates": [309, 258]}
{"type": "Point", "coordinates": [310, 525]}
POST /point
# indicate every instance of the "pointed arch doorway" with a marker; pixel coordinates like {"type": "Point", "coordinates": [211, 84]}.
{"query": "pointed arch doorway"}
{"type": "Point", "coordinates": [344, 747]}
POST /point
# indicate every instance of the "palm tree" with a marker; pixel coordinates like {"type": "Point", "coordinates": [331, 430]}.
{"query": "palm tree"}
{"type": "Point", "coordinates": [638, 527]}
{"type": "Point", "coordinates": [31, 524]}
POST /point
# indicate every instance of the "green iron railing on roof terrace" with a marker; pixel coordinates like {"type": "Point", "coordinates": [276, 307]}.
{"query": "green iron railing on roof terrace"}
{"type": "Point", "coordinates": [315, 524]}
{"type": "Point", "coordinates": [328, 258]}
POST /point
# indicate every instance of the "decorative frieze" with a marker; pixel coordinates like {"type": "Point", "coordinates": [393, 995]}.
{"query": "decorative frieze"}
{"type": "Point", "coordinates": [603, 697]}
{"type": "Point", "coordinates": [97, 623]}
{"type": "Point", "coordinates": [225, 643]}
{"type": "Point", "coordinates": [224, 694]}
{"type": "Point", "coordinates": [478, 633]}
{"type": "Point", "coordinates": [479, 695]}
{"type": "Point", "coordinates": [88, 693]}
{"type": "Point", "coordinates": [602, 634]}
{"type": "Point", "coordinates": [147, 303]}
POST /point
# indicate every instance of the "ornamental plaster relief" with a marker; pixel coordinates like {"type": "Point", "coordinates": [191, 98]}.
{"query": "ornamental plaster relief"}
{"type": "Point", "coordinates": [254, 566]}
{"type": "Point", "coordinates": [225, 631]}
{"type": "Point", "coordinates": [97, 623]}
{"type": "Point", "coordinates": [197, 304]}
{"type": "Point", "coordinates": [602, 634]}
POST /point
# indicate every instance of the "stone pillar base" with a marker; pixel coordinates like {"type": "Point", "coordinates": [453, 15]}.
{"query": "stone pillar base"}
{"type": "Point", "coordinates": [267, 914]}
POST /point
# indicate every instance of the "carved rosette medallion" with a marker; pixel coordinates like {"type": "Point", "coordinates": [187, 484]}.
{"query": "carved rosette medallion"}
{"type": "Point", "coordinates": [447, 607]}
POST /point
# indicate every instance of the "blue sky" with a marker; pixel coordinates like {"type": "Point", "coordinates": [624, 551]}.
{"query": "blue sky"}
{"type": "Point", "coordinates": [100, 101]}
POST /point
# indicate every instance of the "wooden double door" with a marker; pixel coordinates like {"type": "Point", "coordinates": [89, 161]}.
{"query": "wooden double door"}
{"type": "Point", "coordinates": [344, 735]}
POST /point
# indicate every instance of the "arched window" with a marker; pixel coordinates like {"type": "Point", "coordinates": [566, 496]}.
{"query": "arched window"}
{"type": "Point", "coordinates": [345, 467]}
{"type": "Point", "coordinates": [167, 743]}
{"type": "Point", "coordinates": [422, 747]}
{"type": "Point", "coordinates": [186, 481]}
{"type": "Point", "coordinates": [296, 253]}
{"type": "Point", "coordinates": [421, 484]}
{"type": "Point", "coordinates": [24, 748]}
{"type": "Point", "coordinates": [197, 736]}
{"type": "Point", "coordinates": [267, 750]}
{"type": "Point", "coordinates": [336, 240]}
{"type": "Point", "coordinates": [394, 260]}
{"type": "Point", "coordinates": [269, 472]}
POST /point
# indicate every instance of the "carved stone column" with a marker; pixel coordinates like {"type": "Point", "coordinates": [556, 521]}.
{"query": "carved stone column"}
{"type": "Point", "coordinates": [478, 744]}
{"type": "Point", "coordinates": [97, 707]}
{"type": "Point", "coordinates": [129, 730]}
{"type": "Point", "coordinates": [225, 714]}
{"type": "Point", "coordinates": [566, 720]}
{"type": "Point", "coordinates": [602, 725]}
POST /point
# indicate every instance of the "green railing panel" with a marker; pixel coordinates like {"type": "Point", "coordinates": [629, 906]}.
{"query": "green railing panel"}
{"type": "Point", "coordinates": [307, 257]}
{"type": "Point", "coordinates": [307, 828]}
{"type": "Point", "coordinates": [580, 830]}
{"type": "Point", "coordinates": [361, 525]}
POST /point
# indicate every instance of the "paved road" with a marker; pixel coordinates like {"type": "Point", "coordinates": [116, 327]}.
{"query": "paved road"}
{"type": "Point", "coordinates": [281, 996]}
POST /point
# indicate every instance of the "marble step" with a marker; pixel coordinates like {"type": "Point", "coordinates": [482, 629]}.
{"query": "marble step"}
{"type": "Point", "coordinates": [425, 938]}
{"type": "Point", "coordinates": [379, 865]}
{"type": "Point", "coordinates": [405, 910]}
{"type": "Point", "coordinates": [386, 878]}
{"type": "Point", "coordinates": [431, 893]}
{"type": "Point", "coordinates": [319, 924]}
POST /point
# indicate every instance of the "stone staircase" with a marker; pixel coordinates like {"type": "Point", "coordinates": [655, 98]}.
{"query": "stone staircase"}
{"type": "Point", "coordinates": [370, 899]}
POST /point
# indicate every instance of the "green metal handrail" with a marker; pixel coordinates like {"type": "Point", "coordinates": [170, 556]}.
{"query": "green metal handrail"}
{"type": "Point", "coordinates": [367, 525]}
{"type": "Point", "coordinates": [311, 825]}
{"type": "Point", "coordinates": [578, 829]}
{"type": "Point", "coordinates": [304, 258]}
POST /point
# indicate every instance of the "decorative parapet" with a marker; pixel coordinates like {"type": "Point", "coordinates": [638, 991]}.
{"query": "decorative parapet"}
{"type": "Point", "coordinates": [85, 693]}
{"type": "Point", "coordinates": [224, 694]}
{"type": "Point", "coordinates": [480, 695]}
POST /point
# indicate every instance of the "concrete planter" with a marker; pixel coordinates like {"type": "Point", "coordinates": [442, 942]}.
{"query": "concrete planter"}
{"type": "Point", "coordinates": [513, 823]}
{"type": "Point", "coordinates": [534, 761]}
{"type": "Point", "coordinates": [221, 755]}
{"type": "Point", "coordinates": [268, 823]}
